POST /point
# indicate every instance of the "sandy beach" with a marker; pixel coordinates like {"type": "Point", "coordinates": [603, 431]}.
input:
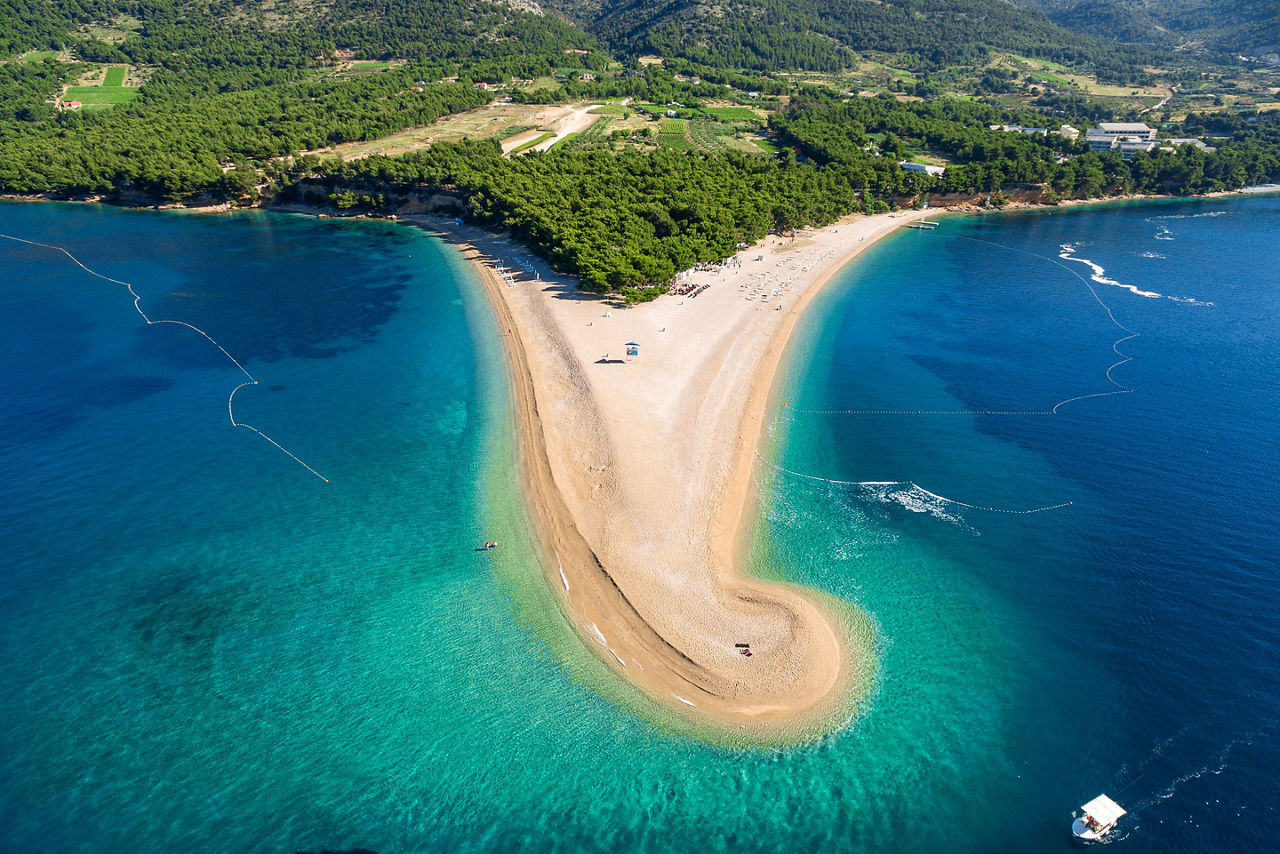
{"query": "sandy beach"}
{"type": "Point", "coordinates": [638, 476]}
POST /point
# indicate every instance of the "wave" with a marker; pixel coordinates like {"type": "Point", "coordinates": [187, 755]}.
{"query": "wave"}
{"type": "Point", "coordinates": [910, 497]}
{"type": "Point", "coordinates": [1100, 272]}
{"type": "Point", "coordinates": [1201, 215]}
{"type": "Point", "coordinates": [1150, 254]}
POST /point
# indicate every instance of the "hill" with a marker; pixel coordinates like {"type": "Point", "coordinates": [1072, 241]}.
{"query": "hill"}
{"type": "Point", "coordinates": [770, 35]}
{"type": "Point", "coordinates": [1229, 26]}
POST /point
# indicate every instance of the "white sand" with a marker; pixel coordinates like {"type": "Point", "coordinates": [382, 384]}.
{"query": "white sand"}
{"type": "Point", "coordinates": [638, 476]}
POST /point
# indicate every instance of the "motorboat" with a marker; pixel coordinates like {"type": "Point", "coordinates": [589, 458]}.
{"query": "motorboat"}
{"type": "Point", "coordinates": [1097, 819]}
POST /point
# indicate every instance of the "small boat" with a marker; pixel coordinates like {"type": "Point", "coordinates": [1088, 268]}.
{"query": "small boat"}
{"type": "Point", "coordinates": [1099, 818]}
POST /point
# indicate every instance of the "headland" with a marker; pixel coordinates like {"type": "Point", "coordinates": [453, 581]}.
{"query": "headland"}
{"type": "Point", "coordinates": [637, 429]}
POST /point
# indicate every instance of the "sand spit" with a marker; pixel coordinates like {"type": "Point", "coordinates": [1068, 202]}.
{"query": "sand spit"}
{"type": "Point", "coordinates": [638, 468]}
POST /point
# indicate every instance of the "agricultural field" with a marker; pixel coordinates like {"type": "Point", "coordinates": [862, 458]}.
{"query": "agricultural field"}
{"type": "Point", "coordinates": [101, 94]}
{"type": "Point", "coordinates": [678, 142]}
{"type": "Point", "coordinates": [705, 132]}
{"type": "Point", "coordinates": [1062, 77]}
{"type": "Point", "coordinates": [547, 82]}
{"type": "Point", "coordinates": [103, 87]}
{"type": "Point", "coordinates": [733, 114]}
{"type": "Point", "coordinates": [372, 66]}
{"type": "Point", "coordinates": [493, 121]}
{"type": "Point", "coordinates": [596, 132]}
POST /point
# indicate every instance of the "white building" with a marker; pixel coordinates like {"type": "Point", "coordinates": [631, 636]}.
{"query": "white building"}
{"type": "Point", "coordinates": [1171, 144]}
{"type": "Point", "coordinates": [1020, 129]}
{"type": "Point", "coordinates": [1110, 135]}
{"type": "Point", "coordinates": [921, 167]}
{"type": "Point", "coordinates": [1130, 147]}
{"type": "Point", "coordinates": [1119, 129]}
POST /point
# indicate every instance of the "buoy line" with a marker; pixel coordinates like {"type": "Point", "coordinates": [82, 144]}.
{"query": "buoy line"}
{"type": "Point", "coordinates": [1115, 347]}
{"type": "Point", "coordinates": [137, 305]}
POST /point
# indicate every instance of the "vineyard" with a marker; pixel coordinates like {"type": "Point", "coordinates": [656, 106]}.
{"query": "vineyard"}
{"type": "Point", "coordinates": [596, 132]}
{"type": "Point", "coordinates": [697, 134]}
{"type": "Point", "coordinates": [704, 135]}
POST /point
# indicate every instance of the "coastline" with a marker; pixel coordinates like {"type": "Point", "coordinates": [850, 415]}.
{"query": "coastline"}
{"type": "Point", "coordinates": [643, 501]}
{"type": "Point", "coordinates": [724, 711]}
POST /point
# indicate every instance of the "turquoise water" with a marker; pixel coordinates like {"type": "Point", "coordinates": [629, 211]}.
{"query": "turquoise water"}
{"type": "Point", "coordinates": [204, 646]}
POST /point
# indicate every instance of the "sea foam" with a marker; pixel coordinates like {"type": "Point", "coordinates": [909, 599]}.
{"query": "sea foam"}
{"type": "Point", "coordinates": [1100, 272]}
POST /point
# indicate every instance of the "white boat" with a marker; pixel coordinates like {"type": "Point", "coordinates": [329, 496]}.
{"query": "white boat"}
{"type": "Point", "coordinates": [1099, 818]}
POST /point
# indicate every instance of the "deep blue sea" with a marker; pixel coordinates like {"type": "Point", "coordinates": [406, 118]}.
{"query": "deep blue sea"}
{"type": "Point", "coordinates": [210, 642]}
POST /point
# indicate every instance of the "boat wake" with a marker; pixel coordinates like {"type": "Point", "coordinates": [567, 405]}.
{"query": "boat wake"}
{"type": "Point", "coordinates": [1164, 232]}
{"type": "Point", "coordinates": [1099, 275]}
{"type": "Point", "coordinates": [1067, 253]}
{"type": "Point", "coordinates": [1216, 766]}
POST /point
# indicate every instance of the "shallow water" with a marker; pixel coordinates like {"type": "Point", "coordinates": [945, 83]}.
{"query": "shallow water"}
{"type": "Point", "coordinates": [202, 645]}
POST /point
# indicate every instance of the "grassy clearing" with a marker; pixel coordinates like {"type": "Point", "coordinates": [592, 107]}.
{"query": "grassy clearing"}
{"type": "Point", "coordinates": [545, 82]}
{"type": "Point", "coordinates": [1049, 77]}
{"type": "Point", "coordinates": [500, 121]}
{"type": "Point", "coordinates": [611, 110]}
{"type": "Point", "coordinates": [38, 55]}
{"type": "Point", "coordinates": [880, 69]}
{"type": "Point", "coordinates": [100, 95]}
{"type": "Point", "coordinates": [747, 145]}
{"type": "Point", "coordinates": [733, 114]}
{"type": "Point", "coordinates": [1042, 63]}
{"type": "Point", "coordinates": [537, 140]}
{"type": "Point", "coordinates": [511, 131]}
{"type": "Point", "coordinates": [114, 32]}
{"type": "Point", "coordinates": [1063, 77]}
{"type": "Point", "coordinates": [114, 76]}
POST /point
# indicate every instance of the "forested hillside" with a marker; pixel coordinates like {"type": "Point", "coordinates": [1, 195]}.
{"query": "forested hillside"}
{"type": "Point", "coordinates": [210, 100]}
{"type": "Point", "coordinates": [627, 221]}
{"type": "Point", "coordinates": [821, 34]}
{"type": "Point", "coordinates": [227, 84]}
{"type": "Point", "coordinates": [1230, 26]}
